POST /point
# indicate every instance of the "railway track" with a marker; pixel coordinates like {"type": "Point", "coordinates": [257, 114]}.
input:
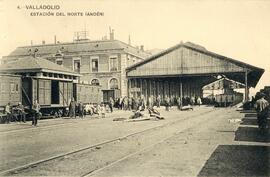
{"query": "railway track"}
{"type": "Point", "coordinates": [40, 162]}
{"type": "Point", "coordinates": [70, 122]}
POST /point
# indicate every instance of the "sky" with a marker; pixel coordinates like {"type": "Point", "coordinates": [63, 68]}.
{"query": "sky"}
{"type": "Point", "coordinates": [236, 29]}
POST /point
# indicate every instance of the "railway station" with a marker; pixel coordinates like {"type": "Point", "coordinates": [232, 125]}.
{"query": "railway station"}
{"type": "Point", "coordinates": [184, 69]}
{"type": "Point", "coordinates": [135, 88]}
{"type": "Point", "coordinates": [190, 139]}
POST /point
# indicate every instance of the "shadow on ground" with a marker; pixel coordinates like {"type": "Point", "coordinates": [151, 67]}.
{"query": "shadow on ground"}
{"type": "Point", "coordinates": [251, 134]}
{"type": "Point", "coordinates": [238, 160]}
{"type": "Point", "coordinates": [248, 131]}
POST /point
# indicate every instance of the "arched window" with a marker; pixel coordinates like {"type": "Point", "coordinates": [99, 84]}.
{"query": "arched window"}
{"type": "Point", "coordinates": [95, 82]}
{"type": "Point", "coordinates": [113, 83]}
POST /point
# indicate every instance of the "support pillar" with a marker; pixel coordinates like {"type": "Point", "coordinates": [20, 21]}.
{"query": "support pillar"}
{"type": "Point", "coordinates": [246, 86]}
{"type": "Point", "coordinates": [129, 87]}
{"type": "Point", "coordinates": [181, 93]}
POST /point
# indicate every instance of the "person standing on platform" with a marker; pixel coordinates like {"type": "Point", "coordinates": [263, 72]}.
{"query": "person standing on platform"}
{"type": "Point", "coordinates": [111, 104]}
{"type": "Point", "coordinates": [8, 112]}
{"type": "Point", "coordinates": [72, 108]}
{"type": "Point", "coordinates": [192, 101]}
{"type": "Point", "coordinates": [21, 112]}
{"type": "Point", "coordinates": [143, 102]}
{"type": "Point", "coordinates": [136, 103]}
{"type": "Point", "coordinates": [199, 101]}
{"type": "Point", "coordinates": [179, 103]}
{"type": "Point", "coordinates": [36, 113]}
{"type": "Point", "coordinates": [167, 103]}
{"type": "Point", "coordinates": [158, 101]}
{"type": "Point", "coordinates": [130, 103]}
{"type": "Point", "coordinates": [102, 110]}
{"type": "Point", "coordinates": [262, 108]}
{"type": "Point", "coordinates": [150, 102]}
{"type": "Point", "coordinates": [81, 110]}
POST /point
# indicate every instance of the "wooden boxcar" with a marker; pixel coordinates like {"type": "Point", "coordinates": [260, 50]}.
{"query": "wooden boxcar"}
{"type": "Point", "coordinates": [87, 93]}
{"type": "Point", "coordinates": [53, 93]}
{"type": "Point", "coordinates": [113, 93]}
{"type": "Point", "coordinates": [10, 89]}
{"type": "Point", "coordinates": [224, 100]}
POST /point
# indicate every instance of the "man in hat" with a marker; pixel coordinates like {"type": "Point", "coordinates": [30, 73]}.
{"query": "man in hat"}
{"type": "Point", "coordinates": [72, 108]}
{"type": "Point", "coordinates": [8, 112]}
{"type": "Point", "coordinates": [21, 112]}
{"type": "Point", "coordinates": [36, 113]}
{"type": "Point", "coordinates": [262, 107]}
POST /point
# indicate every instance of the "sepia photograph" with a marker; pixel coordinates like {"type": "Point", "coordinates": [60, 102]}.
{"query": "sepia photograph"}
{"type": "Point", "coordinates": [137, 88]}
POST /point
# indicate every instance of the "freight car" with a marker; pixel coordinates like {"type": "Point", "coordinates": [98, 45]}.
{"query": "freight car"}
{"type": "Point", "coordinates": [10, 91]}
{"type": "Point", "coordinates": [228, 99]}
{"type": "Point", "coordinates": [33, 78]}
{"type": "Point", "coordinates": [53, 95]}
{"type": "Point", "coordinates": [87, 93]}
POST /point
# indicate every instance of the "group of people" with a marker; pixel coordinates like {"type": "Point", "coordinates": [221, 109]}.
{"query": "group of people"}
{"type": "Point", "coordinates": [261, 106]}
{"type": "Point", "coordinates": [81, 110]}
{"type": "Point", "coordinates": [133, 103]}
{"type": "Point", "coordinates": [18, 113]}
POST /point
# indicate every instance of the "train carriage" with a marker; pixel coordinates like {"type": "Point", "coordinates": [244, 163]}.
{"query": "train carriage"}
{"type": "Point", "coordinates": [10, 91]}
{"type": "Point", "coordinates": [31, 79]}
{"type": "Point", "coordinates": [87, 93]}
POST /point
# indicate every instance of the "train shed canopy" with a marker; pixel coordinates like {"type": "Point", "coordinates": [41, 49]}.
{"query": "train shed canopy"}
{"type": "Point", "coordinates": [188, 59]}
{"type": "Point", "coordinates": [31, 65]}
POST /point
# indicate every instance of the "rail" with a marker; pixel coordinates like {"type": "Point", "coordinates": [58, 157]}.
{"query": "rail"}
{"type": "Point", "coordinates": [33, 164]}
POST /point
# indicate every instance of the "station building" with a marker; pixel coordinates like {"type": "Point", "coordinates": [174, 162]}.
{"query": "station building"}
{"type": "Point", "coordinates": [180, 71]}
{"type": "Point", "coordinates": [183, 70]}
{"type": "Point", "coordinates": [101, 62]}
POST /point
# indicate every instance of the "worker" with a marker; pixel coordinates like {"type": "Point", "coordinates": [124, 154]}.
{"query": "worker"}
{"type": "Point", "coordinates": [199, 101]}
{"type": "Point", "coordinates": [8, 113]}
{"type": "Point", "coordinates": [21, 112]}
{"type": "Point", "coordinates": [262, 108]}
{"type": "Point", "coordinates": [158, 101]}
{"type": "Point", "coordinates": [167, 103]}
{"type": "Point", "coordinates": [150, 102]}
{"type": "Point", "coordinates": [81, 110]}
{"type": "Point", "coordinates": [36, 113]}
{"type": "Point", "coordinates": [72, 108]}
{"type": "Point", "coordinates": [111, 104]}
{"type": "Point", "coordinates": [179, 103]}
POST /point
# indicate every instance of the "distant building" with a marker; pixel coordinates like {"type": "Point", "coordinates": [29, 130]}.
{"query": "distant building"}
{"type": "Point", "coordinates": [101, 62]}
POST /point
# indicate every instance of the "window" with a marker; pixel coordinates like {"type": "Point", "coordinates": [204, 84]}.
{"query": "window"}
{"type": "Point", "coordinates": [113, 63]}
{"type": "Point", "coordinates": [95, 82]}
{"type": "Point", "coordinates": [59, 61]}
{"type": "Point", "coordinates": [12, 87]}
{"type": "Point", "coordinates": [76, 65]}
{"type": "Point", "coordinates": [17, 88]}
{"type": "Point", "coordinates": [94, 63]}
{"type": "Point", "coordinates": [113, 84]}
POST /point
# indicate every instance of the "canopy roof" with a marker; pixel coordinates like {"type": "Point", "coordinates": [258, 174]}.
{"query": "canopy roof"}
{"type": "Point", "coordinates": [32, 64]}
{"type": "Point", "coordinates": [191, 59]}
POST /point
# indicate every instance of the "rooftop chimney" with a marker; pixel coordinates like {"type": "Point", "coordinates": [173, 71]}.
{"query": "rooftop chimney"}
{"type": "Point", "coordinates": [111, 34]}
{"type": "Point", "coordinates": [142, 48]}
{"type": "Point", "coordinates": [54, 39]}
{"type": "Point", "coordinates": [129, 40]}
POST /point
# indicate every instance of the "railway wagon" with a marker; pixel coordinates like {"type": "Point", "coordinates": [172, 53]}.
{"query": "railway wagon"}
{"type": "Point", "coordinates": [52, 95]}
{"type": "Point", "coordinates": [10, 89]}
{"type": "Point", "coordinates": [87, 93]}
{"type": "Point", "coordinates": [224, 100]}
{"type": "Point", "coordinates": [112, 93]}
